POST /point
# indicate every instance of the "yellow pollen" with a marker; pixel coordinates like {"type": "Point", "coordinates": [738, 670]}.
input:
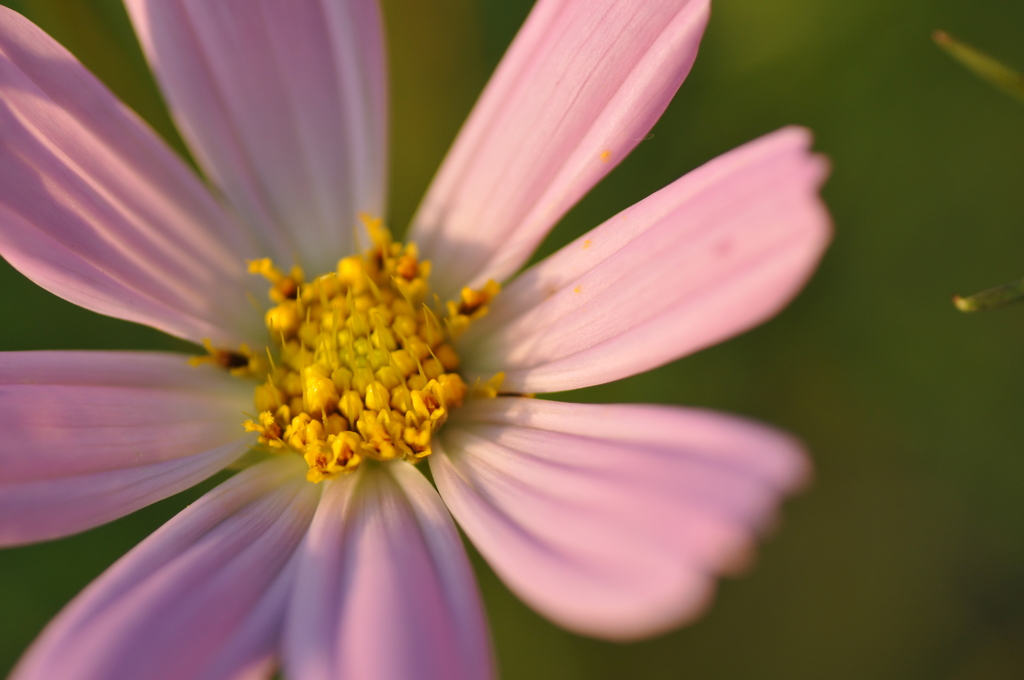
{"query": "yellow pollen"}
{"type": "Point", "coordinates": [362, 366]}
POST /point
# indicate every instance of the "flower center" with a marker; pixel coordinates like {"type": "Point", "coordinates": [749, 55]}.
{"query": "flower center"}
{"type": "Point", "coordinates": [362, 364]}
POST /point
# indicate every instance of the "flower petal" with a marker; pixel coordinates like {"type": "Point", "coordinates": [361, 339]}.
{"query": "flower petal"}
{"type": "Point", "coordinates": [91, 436]}
{"type": "Point", "coordinates": [718, 251]}
{"type": "Point", "coordinates": [284, 103]}
{"type": "Point", "coordinates": [203, 597]}
{"type": "Point", "coordinates": [95, 208]}
{"type": "Point", "coordinates": [384, 588]}
{"type": "Point", "coordinates": [612, 520]}
{"type": "Point", "coordinates": [581, 85]}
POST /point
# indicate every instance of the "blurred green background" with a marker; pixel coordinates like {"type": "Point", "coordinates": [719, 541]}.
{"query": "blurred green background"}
{"type": "Point", "coordinates": [905, 559]}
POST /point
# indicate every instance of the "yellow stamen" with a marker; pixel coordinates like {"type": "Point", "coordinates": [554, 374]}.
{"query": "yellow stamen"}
{"type": "Point", "coordinates": [362, 366]}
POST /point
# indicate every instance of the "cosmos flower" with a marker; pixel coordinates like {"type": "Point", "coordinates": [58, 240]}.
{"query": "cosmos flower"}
{"type": "Point", "coordinates": [329, 553]}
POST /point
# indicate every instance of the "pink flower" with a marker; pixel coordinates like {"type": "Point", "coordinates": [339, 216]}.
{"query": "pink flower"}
{"type": "Point", "coordinates": [612, 520]}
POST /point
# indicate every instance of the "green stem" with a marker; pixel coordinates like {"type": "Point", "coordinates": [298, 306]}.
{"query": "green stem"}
{"type": "Point", "coordinates": [1000, 296]}
{"type": "Point", "coordinates": [1002, 77]}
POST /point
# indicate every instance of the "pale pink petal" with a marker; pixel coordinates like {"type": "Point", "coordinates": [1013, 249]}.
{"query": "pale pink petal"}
{"type": "Point", "coordinates": [284, 104]}
{"type": "Point", "coordinates": [713, 254]}
{"type": "Point", "coordinates": [50, 508]}
{"type": "Point", "coordinates": [75, 413]}
{"type": "Point", "coordinates": [91, 436]}
{"type": "Point", "coordinates": [202, 598]}
{"type": "Point", "coordinates": [581, 85]}
{"type": "Point", "coordinates": [95, 208]}
{"type": "Point", "coordinates": [612, 520]}
{"type": "Point", "coordinates": [384, 589]}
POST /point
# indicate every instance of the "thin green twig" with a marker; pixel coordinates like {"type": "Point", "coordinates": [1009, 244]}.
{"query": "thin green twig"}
{"type": "Point", "coordinates": [1000, 296]}
{"type": "Point", "coordinates": [1001, 76]}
